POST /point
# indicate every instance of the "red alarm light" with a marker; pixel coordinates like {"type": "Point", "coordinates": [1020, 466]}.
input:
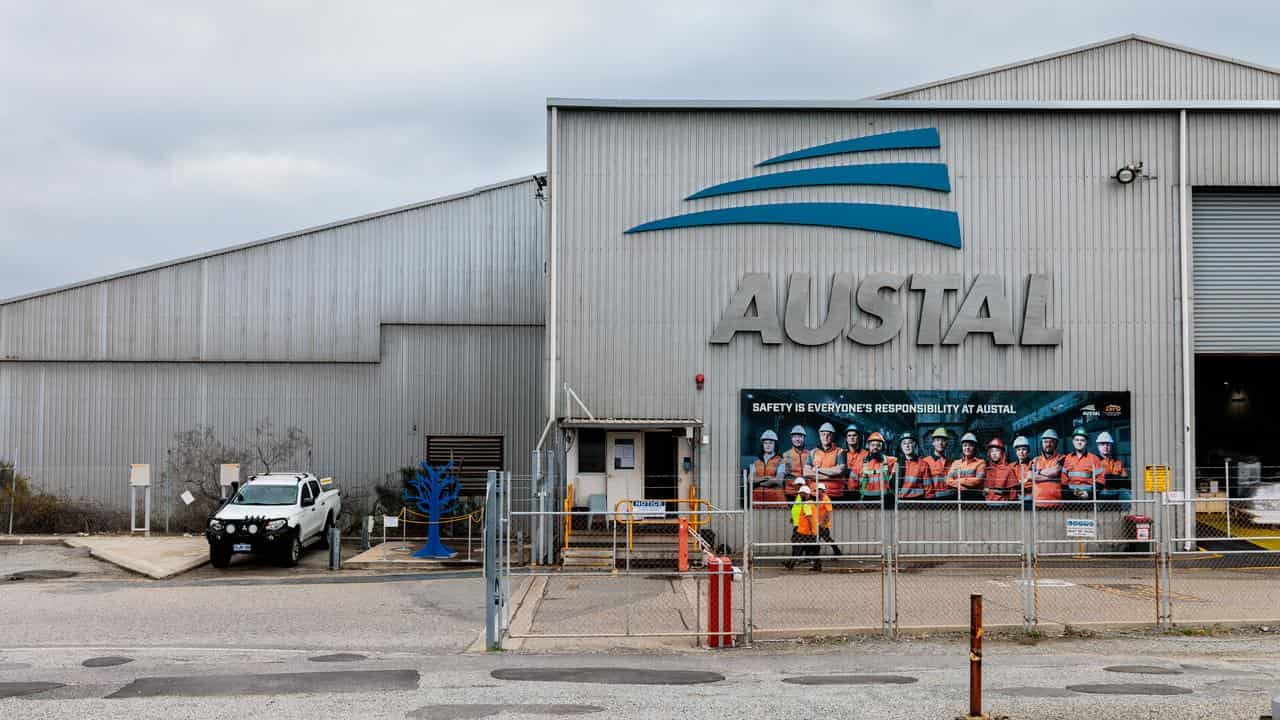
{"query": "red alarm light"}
{"type": "Point", "coordinates": [699, 379]}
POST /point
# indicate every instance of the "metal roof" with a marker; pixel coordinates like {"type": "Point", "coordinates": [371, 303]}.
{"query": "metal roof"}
{"type": "Point", "coordinates": [1074, 51]}
{"type": "Point", "coordinates": [920, 105]}
{"type": "Point", "coordinates": [273, 239]}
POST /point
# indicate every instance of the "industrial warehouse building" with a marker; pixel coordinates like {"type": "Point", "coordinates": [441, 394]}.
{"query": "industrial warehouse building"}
{"type": "Point", "coordinates": [1082, 240]}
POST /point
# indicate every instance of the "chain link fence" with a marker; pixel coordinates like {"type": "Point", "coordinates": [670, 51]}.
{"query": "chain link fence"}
{"type": "Point", "coordinates": [884, 566]}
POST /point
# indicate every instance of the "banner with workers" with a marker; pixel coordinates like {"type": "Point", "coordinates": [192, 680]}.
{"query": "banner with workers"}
{"type": "Point", "coordinates": [995, 446]}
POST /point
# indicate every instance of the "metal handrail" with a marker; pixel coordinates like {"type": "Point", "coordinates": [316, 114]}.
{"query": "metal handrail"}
{"type": "Point", "coordinates": [697, 506]}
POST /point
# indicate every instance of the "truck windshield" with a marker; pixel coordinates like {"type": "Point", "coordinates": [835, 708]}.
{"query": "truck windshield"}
{"type": "Point", "coordinates": [266, 495]}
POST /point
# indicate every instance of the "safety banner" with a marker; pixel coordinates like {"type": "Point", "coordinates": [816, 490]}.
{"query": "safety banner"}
{"type": "Point", "coordinates": [989, 445]}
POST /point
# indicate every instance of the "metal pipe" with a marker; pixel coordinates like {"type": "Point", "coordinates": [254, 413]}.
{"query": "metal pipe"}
{"type": "Point", "coordinates": [553, 187]}
{"type": "Point", "coordinates": [1226, 480]}
{"type": "Point", "coordinates": [1188, 368]}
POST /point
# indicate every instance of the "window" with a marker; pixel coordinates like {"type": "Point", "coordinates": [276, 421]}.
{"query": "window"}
{"type": "Point", "coordinates": [315, 488]}
{"type": "Point", "coordinates": [252, 494]}
{"type": "Point", "coordinates": [307, 494]}
{"type": "Point", "coordinates": [591, 450]}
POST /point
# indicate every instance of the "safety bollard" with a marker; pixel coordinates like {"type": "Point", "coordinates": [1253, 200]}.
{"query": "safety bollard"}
{"type": "Point", "coordinates": [335, 548]}
{"type": "Point", "coordinates": [975, 659]}
{"type": "Point", "coordinates": [682, 553]}
{"type": "Point", "coordinates": [720, 602]}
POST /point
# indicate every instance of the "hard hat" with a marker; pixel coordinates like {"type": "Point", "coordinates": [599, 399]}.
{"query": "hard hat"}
{"type": "Point", "coordinates": [1079, 432]}
{"type": "Point", "coordinates": [905, 438]}
{"type": "Point", "coordinates": [804, 490]}
{"type": "Point", "coordinates": [769, 435]}
{"type": "Point", "coordinates": [1021, 441]}
{"type": "Point", "coordinates": [996, 442]}
{"type": "Point", "coordinates": [851, 428]}
{"type": "Point", "coordinates": [822, 486]}
{"type": "Point", "coordinates": [940, 433]}
{"type": "Point", "coordinates": [1105, 437]}
{"type": "Point", "coordinates": [798, 430]}
{"type": "Point", "coordinates": [875, 436]}
{"type": "Point", "coordinates": [1050, 434]}
{"type": "Point", "coordinates": [827, 427]}
{"type": "Point", "coordinates": [799, 481]}
{"type": "Point", "coordinates": [969, 437]}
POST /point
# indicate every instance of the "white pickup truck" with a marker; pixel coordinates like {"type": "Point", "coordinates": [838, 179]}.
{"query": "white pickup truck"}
{"type": "Point", "coordinates": [278, 513]}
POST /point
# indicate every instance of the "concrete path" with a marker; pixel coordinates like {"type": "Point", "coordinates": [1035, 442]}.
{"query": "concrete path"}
{"type": "Point", "coordinates": [155, 557]}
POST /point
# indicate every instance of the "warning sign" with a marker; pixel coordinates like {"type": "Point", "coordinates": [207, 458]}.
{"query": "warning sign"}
{"type": "Point", "coordinates": [1157, 478]}
{"type": "Point", "coordinates": [1082, 528]}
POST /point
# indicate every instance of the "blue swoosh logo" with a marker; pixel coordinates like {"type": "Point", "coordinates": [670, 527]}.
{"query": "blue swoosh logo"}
{"type": "Point", "coordinates": [927, 176]}
{"type": "Point", "coordinates": [898, 140]}
{"type": "Point", "coordinates": [938, 226]}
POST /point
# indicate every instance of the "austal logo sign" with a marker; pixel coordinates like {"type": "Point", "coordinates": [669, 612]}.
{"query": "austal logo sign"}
{"type": "Point", "coordinates": [985, 308]}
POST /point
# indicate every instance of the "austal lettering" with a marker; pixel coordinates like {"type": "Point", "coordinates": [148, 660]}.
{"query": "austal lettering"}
{"type": "Point", "coordinates": [985, 310]}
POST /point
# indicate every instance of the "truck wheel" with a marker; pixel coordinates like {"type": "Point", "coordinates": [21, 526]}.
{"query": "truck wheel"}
{"type": "Point", "coordinates": [324, 534]}
{"type": "Point", "coordinates": [292, 551]}
{"type": "Point", "coordinates": [219, 555]}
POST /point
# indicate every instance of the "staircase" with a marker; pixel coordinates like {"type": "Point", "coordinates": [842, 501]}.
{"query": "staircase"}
{"type": "Point", "coordinates": [594, 549]}
{"type": "Point", "coordinates": [580, 558]}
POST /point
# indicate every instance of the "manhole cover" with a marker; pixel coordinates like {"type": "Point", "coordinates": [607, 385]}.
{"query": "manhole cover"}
{"type": "Point", "coordinates": [40, 575]}
{"type": "Point", "coordinates": [16, 689]}
{"type": "Point", "coordinates": [338, 657]}
{"type": "Point", "coordinates": [107, 661]}
{"type": "Point", "coordinates": [609, 676]}
{"type": "Point", "coordinates": [850, 680]}
{"type": "Point", "coordinates": [471, 712]}
{"type": "Point", "coordinates": [1034, 692]}
{"type": "Point", "coordinates": [1143, 670]}
{"type": "Point", "coordinates": [1129, 689]}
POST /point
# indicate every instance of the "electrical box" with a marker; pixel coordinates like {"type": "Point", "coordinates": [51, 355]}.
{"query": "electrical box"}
{"type": "Point", "coordinates": [139, 475]}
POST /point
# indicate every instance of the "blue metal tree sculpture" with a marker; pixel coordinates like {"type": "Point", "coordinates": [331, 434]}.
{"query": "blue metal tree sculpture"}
{"type": "Point", "coordinates": [434, 490]}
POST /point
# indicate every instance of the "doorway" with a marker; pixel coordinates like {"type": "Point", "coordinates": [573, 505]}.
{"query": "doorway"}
{"type": "Point", "coordinates": [660, 479]}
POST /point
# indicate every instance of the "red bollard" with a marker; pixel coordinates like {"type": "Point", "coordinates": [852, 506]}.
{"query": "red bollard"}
{"type": "Point", "coordinates": [720, 602]}
{"type": "Point", "coordinates": [682, 553]}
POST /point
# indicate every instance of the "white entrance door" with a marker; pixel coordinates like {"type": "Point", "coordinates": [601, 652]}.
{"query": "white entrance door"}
{"type": "Point", "coordinates": [624, 467]}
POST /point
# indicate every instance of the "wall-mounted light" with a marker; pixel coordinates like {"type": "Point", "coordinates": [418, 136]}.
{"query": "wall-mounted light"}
{"type": "Point", "coordinates": [1128, 173]}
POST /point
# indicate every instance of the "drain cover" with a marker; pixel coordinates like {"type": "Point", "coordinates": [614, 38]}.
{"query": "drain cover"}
{"type": "Point", "coordinates": [1143, 670]}
{"type": "Point", "coordinates": [1129, 689]}
{"type": "Point", "coordinates": [107, 661]}
{"type": "Point", "coordinates": [338, 657]}
{"type": "Point", "coordinates": [40, 575]}
{"type": "Point", "coordinates": [609, 676]}
{"type": "Point", "coordinates": [850, 680]}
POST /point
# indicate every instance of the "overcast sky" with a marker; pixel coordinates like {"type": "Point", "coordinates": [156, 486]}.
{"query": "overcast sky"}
{"type": "Point", "coordinates": [139, 132]}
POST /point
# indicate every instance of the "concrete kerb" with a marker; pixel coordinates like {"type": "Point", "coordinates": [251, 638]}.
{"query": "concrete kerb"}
{"type": "Point", "coordinates": [32, 540]}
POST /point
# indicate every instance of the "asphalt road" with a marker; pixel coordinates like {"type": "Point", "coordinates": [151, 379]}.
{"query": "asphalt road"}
{"type": "Point", "coordinates": [264, 647]}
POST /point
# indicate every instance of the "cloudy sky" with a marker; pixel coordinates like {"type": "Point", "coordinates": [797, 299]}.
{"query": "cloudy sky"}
{"type": "Point", "coordinates": [139, 132]}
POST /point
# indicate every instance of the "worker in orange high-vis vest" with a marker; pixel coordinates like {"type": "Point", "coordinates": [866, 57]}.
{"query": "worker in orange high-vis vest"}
{"type": "Point", "coordinates": [1021, 464]}
{"type": "Point", "coordinates": [804, 513]}
{"type": "Point", "coordinates": [826, 462]}
{"type": "Point", "coordinates": [825, 515]}
{"type": "Point", "coordinates": [878, 470]}
{"type": "Point", "coordinates": [916, 481]}
{"type": "Point", "coordinates": [1044, 485]}
{"type": "Point", "coordinates": [938, 465]}
{"type": "Point", "coordinates": [1115, 477]}
{"type": "Point", "coordinates": [794, 459]}
{"type": "Point", "coordinates": [968, 473]}
{"type": "Point", "coordinates": [1082, 468]}
{"type": "Point", "coordinates": [768, 471]}
{"type": "Point", "coordinates": [854, 454]}
{"type": "Point", "coordinates": [1001, 484]}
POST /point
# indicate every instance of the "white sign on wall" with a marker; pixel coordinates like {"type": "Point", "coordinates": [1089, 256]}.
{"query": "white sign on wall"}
{"type": "Point", "coordinates": [228, 474]}
{"type": "Point", "coordinates": [1082, 528]}
{"type": "Point", "coordinates": [139, 475]}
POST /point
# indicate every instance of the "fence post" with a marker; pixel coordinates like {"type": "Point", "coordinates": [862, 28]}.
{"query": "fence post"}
{"type": "Point", "coordinates": [1164, 566]}
{"type": "Point", "coordinates": [1028, 572]}
{"type": "Point", "coordinates": [747, 570]}
{"type": "Point", "coordinates": [888, 536]}
{"type": "Point", "coordinates": [535, 504]}
{"type": "Point", "coordinates": [493, 597]}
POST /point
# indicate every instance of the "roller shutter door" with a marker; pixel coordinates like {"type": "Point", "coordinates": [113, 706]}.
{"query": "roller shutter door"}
{"type": "Point", "coordinates": [1235, 239]}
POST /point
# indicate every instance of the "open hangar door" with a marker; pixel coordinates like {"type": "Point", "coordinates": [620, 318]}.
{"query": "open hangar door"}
{"type": "Point", "coordinates": [1236, 276]}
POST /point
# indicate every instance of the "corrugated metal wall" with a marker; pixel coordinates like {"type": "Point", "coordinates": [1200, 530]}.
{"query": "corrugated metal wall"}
{"type": "Point", "coordinates": [1128, 70]}
{"type": "Point", "coordinates": [1034, 193]}
{"type": "Point", "coordinates": [442, 304]}
{"type": "Point", "coordinates": [76, 426]}
{"type": "Point", "coordinates": [1236, 237]}
{"type": "Point", "coordinates": [315, 297]}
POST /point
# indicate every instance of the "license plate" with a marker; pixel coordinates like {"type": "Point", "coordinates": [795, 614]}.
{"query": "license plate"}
{"type": "Point", "coordinates": [241, 547]}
